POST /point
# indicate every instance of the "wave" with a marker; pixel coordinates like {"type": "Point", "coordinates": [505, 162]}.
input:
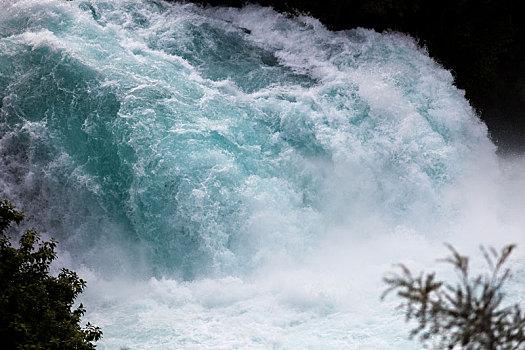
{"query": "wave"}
{"type": "Point", "coordinates": [237, 178]}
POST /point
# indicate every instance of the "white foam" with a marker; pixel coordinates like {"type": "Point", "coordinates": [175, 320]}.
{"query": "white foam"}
{"type": "Point", "coordinates": [377, 159]}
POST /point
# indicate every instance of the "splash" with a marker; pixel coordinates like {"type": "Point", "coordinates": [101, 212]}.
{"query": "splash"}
{"type": "Point", "coordinates": [233, 178]}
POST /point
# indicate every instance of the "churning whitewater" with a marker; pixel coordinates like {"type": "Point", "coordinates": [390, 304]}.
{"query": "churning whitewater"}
{"type": "Point", "coordinates": [235, 178]}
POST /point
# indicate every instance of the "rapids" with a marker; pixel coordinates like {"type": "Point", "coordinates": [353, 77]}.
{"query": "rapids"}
{"type": "Point", "coordinates": [235, 178]}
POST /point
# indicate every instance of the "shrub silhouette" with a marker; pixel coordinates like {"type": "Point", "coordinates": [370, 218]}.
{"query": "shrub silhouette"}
{"type": "Point", "coordinates": [36, 307]}
{"type": "Point", "coordinates": [469, 314]}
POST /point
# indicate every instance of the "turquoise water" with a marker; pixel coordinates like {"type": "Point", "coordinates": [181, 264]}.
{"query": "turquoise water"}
{"type": "Point", "coordinates": [233, 178]}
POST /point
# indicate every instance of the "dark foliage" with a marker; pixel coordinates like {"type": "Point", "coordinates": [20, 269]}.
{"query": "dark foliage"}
{"type": "Point", "coordinates": [35, 307]}
{"type": "Point", "coordinates": [467, 315]}
{"type": "Point", "coordinates": [481, 41]}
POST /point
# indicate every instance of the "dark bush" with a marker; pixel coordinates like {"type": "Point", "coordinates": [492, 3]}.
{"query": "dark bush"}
{"type": "Point", "coordinates": [36, 308]}
{"type": "Point", "coordinates": [469, 314]}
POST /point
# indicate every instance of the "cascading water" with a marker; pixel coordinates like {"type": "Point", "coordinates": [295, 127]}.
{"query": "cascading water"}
{"type": "Point", "coordinates": [233, 178]}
